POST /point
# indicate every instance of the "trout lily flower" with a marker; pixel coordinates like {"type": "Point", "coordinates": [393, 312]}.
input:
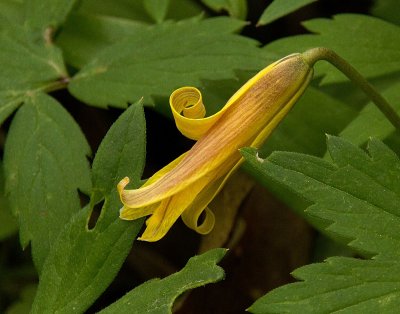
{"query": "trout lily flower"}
{"type": "Point", "coordinates": [188, 184]}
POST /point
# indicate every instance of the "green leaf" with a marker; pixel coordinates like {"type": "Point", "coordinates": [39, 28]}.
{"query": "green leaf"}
{"type": "Point", "coordinates": [355, 197]}
{"type": "Point", "coordinates": [388, 10]}
{"type": "Point", "coordinates": [28, 64]}
{"type": "Point", "coordinates": [127, 9]}
{"type": "Point", "coordinates": [344, 285]}
{"type": "Point", "coordinates": [192, 50]}
{"type": "Point", "coordinates": [378, 125]}
{"type": "Point", "coordinates": [42, 14]}
{"type": "Point", "coordinates": [280, 8]}
{"type": "Point", "coordinates": [11, 10]}
{"type": "Point", "coordinates": [121, 152]}
{"type": "Point", "coordinates": [26, 69]}
{"type": "Point", "coordinates": [376, 50]}
{"type": "Point", "coordinates": [84, 35]}
{"type": "Point", "coordinates": [157, 296]}
{"type": "Point", "coordinates": [183, 9]}
{"type": "Point", "coordinates": [235, 8]}
{"type": "Point", "coordinates": [45, 165]}
{"type": "Point", "coordinates": [83, 262]}
{"type": "Point", "coordinates": [157, 9]}
{"type": "Point", "coordinates": [136, 10]}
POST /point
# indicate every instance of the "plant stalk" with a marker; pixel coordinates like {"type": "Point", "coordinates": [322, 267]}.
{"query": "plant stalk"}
{"type": "Point", "coordinates": [316, 54]}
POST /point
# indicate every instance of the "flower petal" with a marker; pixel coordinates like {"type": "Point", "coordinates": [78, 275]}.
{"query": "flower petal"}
{"type": "Point", "coordinates": [256, 108]}
{"type": "Point", "coordinates": [128, 213]}
{"type": "Point", "coordinates": [188, 111]}
{"type": "Point", "coordinates": [199, 205]}
{"type": "Point", "coordinates": [169, 210]}
{"type": "Point", "coordinates": [270, 127]}
{"type": "Point", "coordinates": [191, 219]}
{"type": "Point", "coordinates": [124, 182]}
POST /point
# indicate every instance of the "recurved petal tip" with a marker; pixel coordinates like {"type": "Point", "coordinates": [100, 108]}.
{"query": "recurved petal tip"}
{"type": "Point", "coordinates": [122, 184]}
{"type": "Point", "coordinates": [191, 218]}
{"type": "Point", "coordinates": [128, 213]}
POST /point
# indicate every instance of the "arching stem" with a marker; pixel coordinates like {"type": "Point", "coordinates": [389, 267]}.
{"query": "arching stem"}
{"type": "Point", "coordinates": [320, 53]}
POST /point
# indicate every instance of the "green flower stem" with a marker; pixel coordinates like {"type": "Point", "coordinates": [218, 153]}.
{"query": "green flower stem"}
{"type": "Point", "coordinates": [320, 53]}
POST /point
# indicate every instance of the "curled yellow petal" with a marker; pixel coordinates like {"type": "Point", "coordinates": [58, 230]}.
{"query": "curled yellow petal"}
{"type": "Point", "coordinates": [188, 111]}
{"type": "Point", "coordinates": [186, 186]}
{"type": "Point", "coordinates": [191, 218]}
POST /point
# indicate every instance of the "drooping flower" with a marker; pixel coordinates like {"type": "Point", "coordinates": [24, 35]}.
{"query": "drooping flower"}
{"type": "Point", "coordinates": [187, 185]}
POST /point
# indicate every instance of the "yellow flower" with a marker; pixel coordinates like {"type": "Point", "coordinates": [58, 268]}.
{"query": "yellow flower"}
{"type": "Point", "coordinates": [187, 185]}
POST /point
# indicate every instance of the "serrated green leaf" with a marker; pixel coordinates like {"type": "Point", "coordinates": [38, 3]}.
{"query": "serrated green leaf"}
{"type": "Point", "coordinates": [45, 165]}
{"type": "Point", "coordinates": [83, 262]}
{"type": "Point", "coordinates": [121, 152]}
{"type": "Point", "coordinates": [157, 9]}
{"type": "Point", "coordinates": [388, 10]}
{"type": "Point", "coordinates": [192, 50]}
{"type": "Point", "coordinates": [280, 8]}
{"type": "Point", "coordinates": [235, 8]}
{"type": "Point", "coordinates": [344, 285]}
{"type": "Point", "coordinates": [378, 125]}
{"type": "Point", "coordinates": [356, 197]}
{"type": "Point", "coordinates": [376, 50]}
{"type": "Point", "coordinates": [157, 296]}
